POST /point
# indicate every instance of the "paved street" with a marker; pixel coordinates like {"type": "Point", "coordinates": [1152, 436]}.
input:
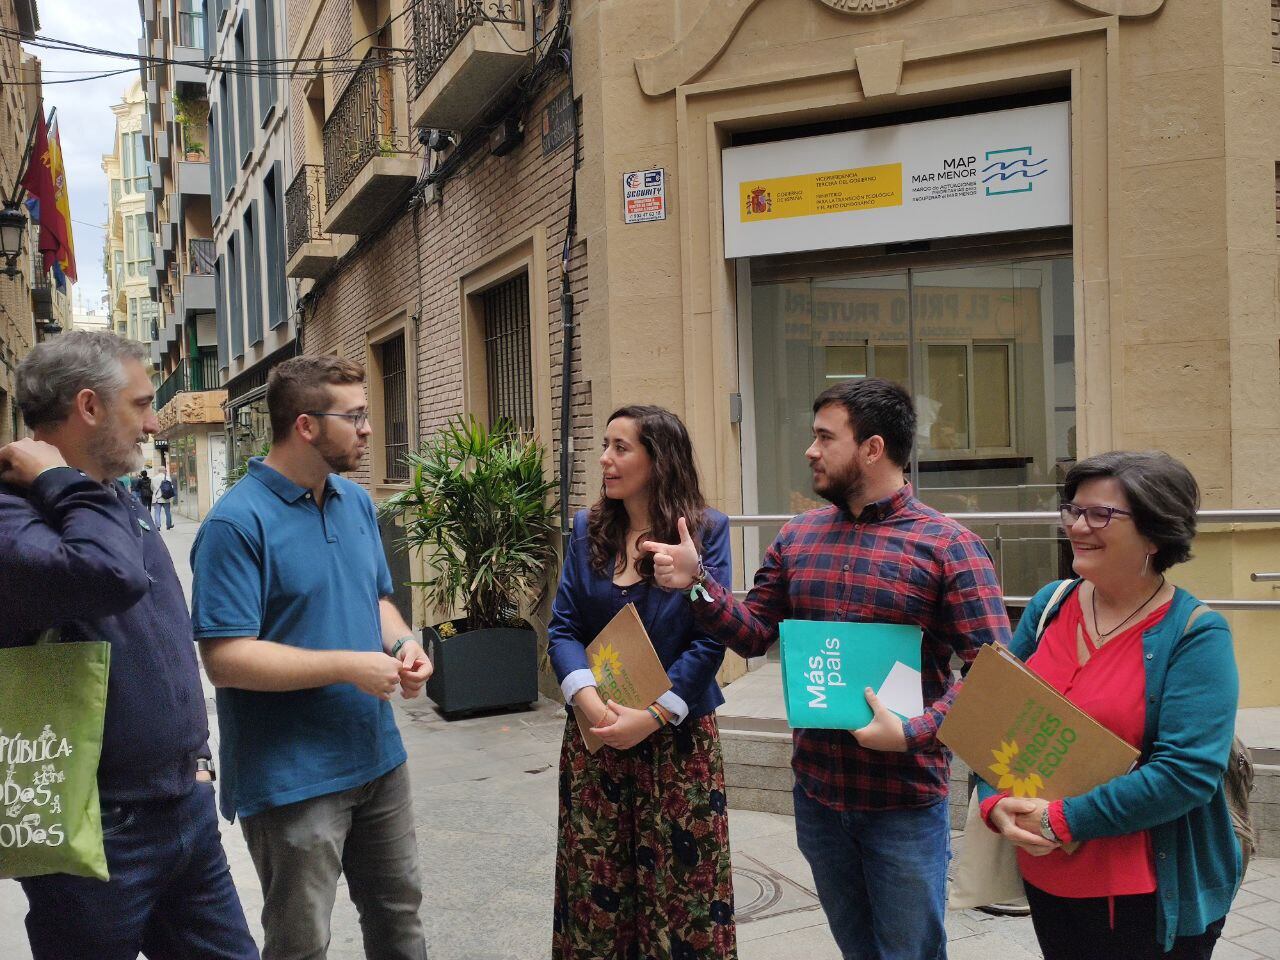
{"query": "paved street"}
{"type": "Point", "coordinates": [485, 805]}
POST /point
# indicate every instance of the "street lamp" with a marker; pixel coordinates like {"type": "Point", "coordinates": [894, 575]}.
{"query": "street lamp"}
{"type": "Point", "coordinates": [12, 223]}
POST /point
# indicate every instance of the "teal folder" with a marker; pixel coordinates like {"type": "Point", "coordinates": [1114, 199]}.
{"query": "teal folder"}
{"type": "Point", "coordinates": [827, 666]}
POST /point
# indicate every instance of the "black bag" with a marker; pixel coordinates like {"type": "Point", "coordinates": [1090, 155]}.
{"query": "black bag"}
{"type": "Point", "coordinates": [142, 487]}
{"type": "Point", "coordinates": [166, 489]}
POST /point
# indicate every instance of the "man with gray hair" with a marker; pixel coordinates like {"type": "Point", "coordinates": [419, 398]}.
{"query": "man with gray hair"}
{"type": "Point", "coordinates": [77, 552]}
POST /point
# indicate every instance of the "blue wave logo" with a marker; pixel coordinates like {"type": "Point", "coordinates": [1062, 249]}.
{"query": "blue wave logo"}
{"type": "Point", "coordinates": [1004, 168]}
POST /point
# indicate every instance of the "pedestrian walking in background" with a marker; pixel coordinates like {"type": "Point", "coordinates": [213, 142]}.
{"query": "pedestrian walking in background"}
{"type": "Point", "coordinates": [870, 804]}
{"type": "Point", "coordinates": [642, 864]}
{"type": "Point", "coordinates": [78, 553]}
{"type": "Point", "coordinates": [142, 490]}
{"type": "Point", "coordinates": [164, 501]}
{"type": "Point", "coordinates": [1160, 863]}
{"type": "Point", "coordinates": [292, 606]}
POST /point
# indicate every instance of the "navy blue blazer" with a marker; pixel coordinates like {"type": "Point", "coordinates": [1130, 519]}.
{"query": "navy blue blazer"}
{"type": "Point", "coordinates": [587, 600]}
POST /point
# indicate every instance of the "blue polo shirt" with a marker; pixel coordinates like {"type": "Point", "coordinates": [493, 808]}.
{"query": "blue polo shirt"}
{"type": "Point", "coordinates": [269, 563]}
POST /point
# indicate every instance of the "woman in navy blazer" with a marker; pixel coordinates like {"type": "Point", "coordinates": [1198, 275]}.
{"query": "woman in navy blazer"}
{"type": "Point", "coordinates": [642, 865]}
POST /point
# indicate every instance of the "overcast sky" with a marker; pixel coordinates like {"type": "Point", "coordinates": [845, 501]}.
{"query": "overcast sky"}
{"type": "Point", "coordinates": [86, 124]}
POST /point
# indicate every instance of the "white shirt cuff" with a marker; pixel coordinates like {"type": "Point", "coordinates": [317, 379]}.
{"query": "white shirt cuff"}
{"type": "Point", "coordinates": [674, 706]}
{"type": "Point", "coordinates": [575, 682]}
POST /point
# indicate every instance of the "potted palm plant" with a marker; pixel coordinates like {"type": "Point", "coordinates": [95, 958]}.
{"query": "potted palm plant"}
{"type": "Point", "coordinates": [480, 513]}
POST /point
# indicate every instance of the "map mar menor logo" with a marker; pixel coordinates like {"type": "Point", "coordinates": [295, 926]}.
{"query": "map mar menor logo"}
{"type": "Point", "coordinates": [1012, 171]}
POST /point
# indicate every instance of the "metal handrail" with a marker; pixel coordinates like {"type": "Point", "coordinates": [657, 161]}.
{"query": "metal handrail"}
{"type": "Point", "coordinates": [1029, 518]}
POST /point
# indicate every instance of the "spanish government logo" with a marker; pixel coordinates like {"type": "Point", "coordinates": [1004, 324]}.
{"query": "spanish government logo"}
{"type": "Point", "coordinates": [865, 6]}
{"type": "Point", "coordinates": [1012, 170]}
{"type": "Point", "coordinates": [759, 201]}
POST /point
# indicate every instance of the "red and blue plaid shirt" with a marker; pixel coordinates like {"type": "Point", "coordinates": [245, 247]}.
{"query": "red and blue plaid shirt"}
{"type": "Point", "coordinates": [899, 561]}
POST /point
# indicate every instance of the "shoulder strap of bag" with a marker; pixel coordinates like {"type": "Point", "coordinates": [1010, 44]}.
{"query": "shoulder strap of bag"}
{"type": "Point", "coordinates": [1054, 599]}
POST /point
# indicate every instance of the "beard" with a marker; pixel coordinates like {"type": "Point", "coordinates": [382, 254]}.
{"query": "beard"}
{"type": "Point", "coordinates": [114, 454]}
{"type": "Point", "coordinates": [341, 458]}
{"type": "Point", "coordinates": [843, 487]}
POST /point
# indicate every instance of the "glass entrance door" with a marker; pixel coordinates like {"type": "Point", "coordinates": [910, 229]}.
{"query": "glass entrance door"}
{"type": "Point", "coordinates": [986, 350]}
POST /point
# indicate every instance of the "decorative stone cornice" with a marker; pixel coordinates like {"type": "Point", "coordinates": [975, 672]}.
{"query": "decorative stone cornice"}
{"type": "Point", "coordinates": [698, 49]}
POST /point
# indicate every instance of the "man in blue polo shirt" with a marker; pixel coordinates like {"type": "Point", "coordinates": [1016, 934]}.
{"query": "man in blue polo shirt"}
{"type": "Point", "coordinates": [291, 605]}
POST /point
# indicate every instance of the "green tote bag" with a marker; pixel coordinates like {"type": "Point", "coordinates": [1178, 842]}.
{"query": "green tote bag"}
{"type": "Point", "coordinates": [53, 701]}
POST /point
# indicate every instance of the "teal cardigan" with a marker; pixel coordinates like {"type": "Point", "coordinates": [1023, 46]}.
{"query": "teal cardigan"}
{"type": "Point", "coordinates": [1176, 791]}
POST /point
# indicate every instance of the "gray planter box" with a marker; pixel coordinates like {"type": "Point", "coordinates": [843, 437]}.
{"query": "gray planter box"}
{"type": "Point", "coordinates": [488, 669]}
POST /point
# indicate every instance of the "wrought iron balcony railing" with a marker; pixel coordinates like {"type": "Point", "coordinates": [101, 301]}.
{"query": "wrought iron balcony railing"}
{"type": "Point", "coordinates": [440, 25]}
{"type": "Point", "coordinates": [363, 123]}
{"type": "Point", "coordinates": [200, 257]}
{"type": "Point", "coordinates": [191, 29]}
{"type": "Point", "coordinates": [303, 208]}
{"type": "Point", "coordinates": [191, 375]}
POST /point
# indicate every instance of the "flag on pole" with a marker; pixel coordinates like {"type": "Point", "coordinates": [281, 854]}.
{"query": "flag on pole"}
{"type": "Point", "coordinates": [46, 181]}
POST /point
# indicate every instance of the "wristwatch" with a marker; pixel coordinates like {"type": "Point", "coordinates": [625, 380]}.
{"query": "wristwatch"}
{"type": "Point", "coordinates": [1046, 827]}
{"type": "Point", "coordinates": [205, 766]}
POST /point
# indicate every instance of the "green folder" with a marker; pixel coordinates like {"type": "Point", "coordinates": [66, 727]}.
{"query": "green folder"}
{"type": "Point", "coordinates": [827, 666]}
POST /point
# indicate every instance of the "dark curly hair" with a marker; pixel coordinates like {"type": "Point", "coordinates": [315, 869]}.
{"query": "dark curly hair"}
{"type": "Point", "coordinates": [674, 492]}
{"type": "Point", "coordinates": [1162, 494]}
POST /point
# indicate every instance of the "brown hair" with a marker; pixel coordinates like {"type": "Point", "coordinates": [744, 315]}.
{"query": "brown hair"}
{"type": "Point", "coordinates": [302, 384]}
{"type": "Point", "coordinates": [674, 492]}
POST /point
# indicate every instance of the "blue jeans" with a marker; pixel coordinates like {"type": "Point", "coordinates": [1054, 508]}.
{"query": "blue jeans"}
{"type": "Point", "coordinates": [170, 895]}
{"type": "Point", "coordinates": [168, 513]}
{"type": "Point", "coordinates": [881, 877]}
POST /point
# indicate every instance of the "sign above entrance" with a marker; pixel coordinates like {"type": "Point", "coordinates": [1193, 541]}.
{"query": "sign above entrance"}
{"type": "Point", "coordinates": [985, 173]}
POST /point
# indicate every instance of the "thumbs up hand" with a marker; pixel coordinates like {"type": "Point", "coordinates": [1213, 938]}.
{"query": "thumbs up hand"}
{"type": "Point", "coordinates": [675, 565]}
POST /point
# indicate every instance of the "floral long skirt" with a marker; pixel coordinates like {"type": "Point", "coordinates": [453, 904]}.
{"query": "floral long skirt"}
{"type": "Point", "coordinates": [642, 866]}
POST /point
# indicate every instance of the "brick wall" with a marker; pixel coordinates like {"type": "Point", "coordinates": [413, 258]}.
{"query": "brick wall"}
{"type": "Point", "coordinates": [490, 203]}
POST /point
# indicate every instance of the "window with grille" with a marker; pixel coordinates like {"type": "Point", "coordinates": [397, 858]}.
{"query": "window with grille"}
{"type": "Point", "coordinates": [395, 407]}
{"type": "Point", "coordinates": [509, 374]}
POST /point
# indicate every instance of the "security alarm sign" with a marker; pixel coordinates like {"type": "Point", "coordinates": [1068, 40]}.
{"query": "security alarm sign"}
{"type": "Point", "coordinates": [644, 194]}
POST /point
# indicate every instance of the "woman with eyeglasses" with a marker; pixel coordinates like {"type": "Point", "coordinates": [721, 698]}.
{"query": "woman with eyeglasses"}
{"type": "Point", "coordinates": [1158, 862]}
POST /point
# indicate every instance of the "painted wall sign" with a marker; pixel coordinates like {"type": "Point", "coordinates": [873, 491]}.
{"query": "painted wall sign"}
{"type": "Point", "coordinates": [644, 194]}
{"type": "Point", "coordinates": [985, 173]}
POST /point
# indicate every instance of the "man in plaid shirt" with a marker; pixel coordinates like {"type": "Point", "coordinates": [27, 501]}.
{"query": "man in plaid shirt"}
{"type": "Point", "coordinates": [870, 804]}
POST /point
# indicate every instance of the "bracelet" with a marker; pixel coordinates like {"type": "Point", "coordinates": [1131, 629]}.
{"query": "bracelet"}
{"type": "Point", "coordinates": [699, 584]}
{"type": "Point", "coordinates": [395, 648]}
{"type": "Point", "coordinates": [653, 712]}
{"type": "Point", "coordinates": [1046, 827]}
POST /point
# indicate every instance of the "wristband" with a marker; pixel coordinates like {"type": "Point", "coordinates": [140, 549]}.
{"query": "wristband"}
{"type": "Point", "coordinates": [699, 584]}
{"type": "Point", "coordinates": [653, 712]}
{"type": "Point", "coordinates": [395, 648]}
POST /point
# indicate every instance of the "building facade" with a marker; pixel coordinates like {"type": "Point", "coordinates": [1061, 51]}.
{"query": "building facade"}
{"type": "Point", "coordinates": [128, 257]}
{"type": "Point", "coordinates": [190, 393]}
{"type": "Point", "coordinates": [1054, 221]}
{"type": "Point", "coordinates": [250, 150]}
{"type": "Point", "coordinates": [30, 304]}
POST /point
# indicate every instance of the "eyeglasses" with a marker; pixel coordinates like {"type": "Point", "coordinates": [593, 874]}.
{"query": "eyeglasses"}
{"type": "Point", "coordinates": [358, 420]}
{"type": "Point", "coordinates": [1095, 517]}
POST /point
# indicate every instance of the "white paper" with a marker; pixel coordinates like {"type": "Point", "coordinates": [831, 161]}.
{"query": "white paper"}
{"type": "Point", "coordinates": [901, 691]}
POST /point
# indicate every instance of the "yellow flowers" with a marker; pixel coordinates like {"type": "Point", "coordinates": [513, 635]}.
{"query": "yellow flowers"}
{"type": "Point", "coordinates": [605, 663]}
{"type": "Point", "coordinates": [1019, 786]}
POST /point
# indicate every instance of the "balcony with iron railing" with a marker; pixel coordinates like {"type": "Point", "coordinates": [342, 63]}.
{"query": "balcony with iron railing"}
{"type": "Point", "coordinates": [466, 52]}
{"type": "Point", "coordinates": [41, 291]}
{"type": "Point", "coordinates": [309, 251]}
{"type": "Point", "coordinates": [197, 278]}
{"type": "Point", "coordinates": [191, 375]}
{"type": "Point", "coordinates": [369, 163]}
